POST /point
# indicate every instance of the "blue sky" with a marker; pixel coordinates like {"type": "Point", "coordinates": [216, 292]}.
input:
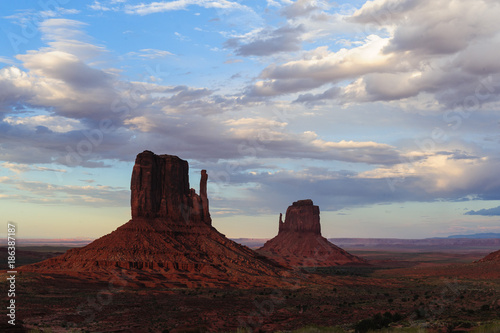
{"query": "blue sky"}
{"type": "Point", "coordinates": [385, 112]}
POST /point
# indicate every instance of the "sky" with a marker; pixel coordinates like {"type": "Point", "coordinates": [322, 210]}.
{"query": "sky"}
{"type": "Point", "coordinates": [385, 113]}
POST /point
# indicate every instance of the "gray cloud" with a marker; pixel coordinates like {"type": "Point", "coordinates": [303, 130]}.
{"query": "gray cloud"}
{"type": "Point", "coordinates": [268, 42]}
{"type": "Point", "coordinates": [66, 68]}
{"type": "Point", "coordinates": [300, 8]}
{"type": "Point", "coordinates": [206, 128]}
{"type": "Point", "coordinates": [280, 87]}
{"type": "Point", "coordinates": [328, 94]}
{"type": "Point", "coordinates": [485, 212]}
{"type": "Point", "coordinates": [52, 194]}
{"type": "Point", "coordinates": [334, 190]}
{"type": "Point", "coordinates": [417, 47]}
{"type": "Point", "coordinates": [331, 190]}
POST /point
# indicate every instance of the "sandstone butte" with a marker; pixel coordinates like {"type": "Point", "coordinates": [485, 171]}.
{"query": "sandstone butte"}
{"type": "Point", "coordinates": [170, 240]}
{"type": "Point", "coordinates": [299, 241]}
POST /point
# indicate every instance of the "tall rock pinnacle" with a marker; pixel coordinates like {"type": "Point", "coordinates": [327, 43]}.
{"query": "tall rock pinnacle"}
{"type": "Point", "coordinates": [160, 188]}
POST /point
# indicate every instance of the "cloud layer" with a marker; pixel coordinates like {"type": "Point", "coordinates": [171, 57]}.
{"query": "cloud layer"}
{"type": "Point", "coordinates": [405, 49]}
{"type": "Point", "coordinates": [278, 136]}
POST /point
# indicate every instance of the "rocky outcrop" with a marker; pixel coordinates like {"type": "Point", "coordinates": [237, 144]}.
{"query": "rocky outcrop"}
{"type": "Point", "coordinates": [302, 216]}
{"type": "Point", "coordinates": [170, 240]}
{"type": "Point", "coordinates": [160, 189]}
{"type": "Point", "coordinates": [494, 256]}
{"type": "Point", "coordinates": [299, 241]}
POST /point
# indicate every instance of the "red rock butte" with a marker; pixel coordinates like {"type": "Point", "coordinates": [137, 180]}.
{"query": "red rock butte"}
{"type": "Point", "coordinates": [299, 241]}
{"type": "Point", "coordinates": [170, 240]}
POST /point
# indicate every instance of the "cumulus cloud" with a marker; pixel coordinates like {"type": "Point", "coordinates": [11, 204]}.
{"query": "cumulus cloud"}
{"type": "Point", "coordinates": [416, 48]}
{"type": "Point", "coordinates": [15, 87]}
{"type": "Point", "coordinates": [67, 68]}
{"type": "Point", "coordinates": [319, 66]}
{"type": "Point", "coordinates": [438, 176]}
{"type": "Point", "coordinates": [58, 76]}
{"type": "Point", "coordinates": [423, 29]}
{"type": "Point", "coordinates": [330, 189]}
{"type": "Point", "coordinates": [55, 102]}
{"type": "Point", "coordinates": [442, 174]}
{"type": "Point", "coordinates": [78, 97]}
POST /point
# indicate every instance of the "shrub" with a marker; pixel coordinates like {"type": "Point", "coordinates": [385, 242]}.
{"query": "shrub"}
{"type": "Point", "coordinates": [377, 322]}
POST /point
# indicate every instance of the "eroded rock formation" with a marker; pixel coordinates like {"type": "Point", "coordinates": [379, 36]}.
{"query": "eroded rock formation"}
{"type": "Point", "coordinates": [160, 188]}
{"type": "Point", "coordinates": [494, 256]}
{"type": "Point", "coordinates": [299, 241]}
{"type": "Point", "coordinates": [170, 240]}
{"type": "Point", "coordinates": [302, 216]}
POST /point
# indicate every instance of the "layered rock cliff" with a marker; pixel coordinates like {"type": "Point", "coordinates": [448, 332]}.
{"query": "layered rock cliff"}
{"type": "Point", "coordinates": [299, 241]}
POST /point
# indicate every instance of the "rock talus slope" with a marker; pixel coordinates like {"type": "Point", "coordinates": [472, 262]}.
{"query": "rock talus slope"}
{"type": "Point", "coordinates": [299, 241]}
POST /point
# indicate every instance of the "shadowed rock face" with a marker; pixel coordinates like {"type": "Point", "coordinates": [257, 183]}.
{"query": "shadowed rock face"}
{"type": "Point", "coordinates": [170, 240]}
{"type": "Point", "coordinates": [301, 216]}
{"type": "Point", "coordinates": [160, 188]}
{"type": "Point", "coordinates": [299, 241]}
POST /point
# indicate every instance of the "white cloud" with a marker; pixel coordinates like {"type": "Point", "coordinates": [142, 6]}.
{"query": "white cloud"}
{"type": "Point", "coordinates": [21, 168]}
{"type": "Point", "coordinates": [52, 123]}
{"type": "Point", "coordinates": [418, 48]}
{"type": "Point", "coordinates": [67, 35]}
{"type": "Point", "coordinates": [164, 6]}
{"type": "Point", "coordinates": [98, 6]}
{"type": "Point", "coordinates": [47, 193]}
{"type": "Point", "coordinates": [58, 12]}
{"type": "Point", "coordinates": [150, 53]}
{"type": "Point", "coordinates": [6, 60]}
{"type": "Point", "coordinates": [319, 66]}
{"type": "Point", "coordinates": [444, 173]}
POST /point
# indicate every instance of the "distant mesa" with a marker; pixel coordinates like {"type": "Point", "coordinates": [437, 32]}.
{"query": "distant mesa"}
{"type": "Point", "coordinates": [170, 240]}
{"type": "Point", "coordinates": [299, 241]}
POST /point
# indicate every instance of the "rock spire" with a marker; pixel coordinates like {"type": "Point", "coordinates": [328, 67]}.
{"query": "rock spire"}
{"type": "Point", "coordinates": [160, 188]}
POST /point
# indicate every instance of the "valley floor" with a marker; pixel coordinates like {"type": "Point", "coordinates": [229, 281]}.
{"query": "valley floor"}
{"type": "Point", "coordinates": [424, 295]}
